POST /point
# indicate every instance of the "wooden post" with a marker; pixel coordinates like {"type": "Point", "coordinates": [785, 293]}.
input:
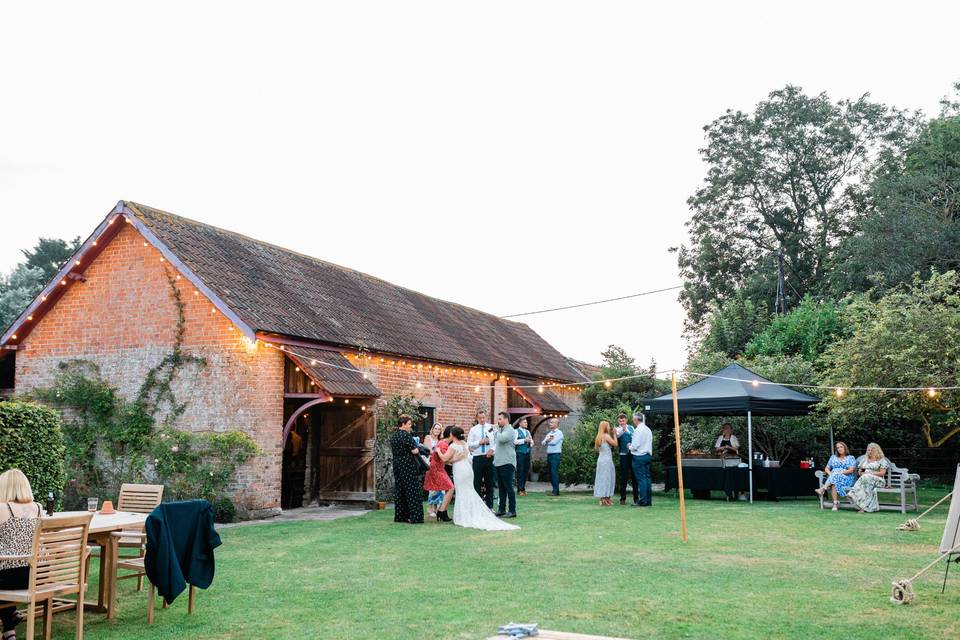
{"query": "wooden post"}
{"type": "Point", "coordinates": [676, 435]}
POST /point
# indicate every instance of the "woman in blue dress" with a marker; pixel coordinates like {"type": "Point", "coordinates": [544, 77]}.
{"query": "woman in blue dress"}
{"type": "Point", "coordinates": [841, 472]}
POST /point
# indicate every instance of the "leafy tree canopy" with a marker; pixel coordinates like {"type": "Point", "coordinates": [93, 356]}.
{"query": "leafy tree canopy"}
{"type": "Point", "coordinates": [806, 331]}
{"type": "Point", "coordinates": [784, 179]}
{"type": "Point", "coordinates": [909, 337]}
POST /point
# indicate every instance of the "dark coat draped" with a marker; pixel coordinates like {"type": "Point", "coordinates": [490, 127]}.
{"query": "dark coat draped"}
{"type": "Point", "coordinates": [180, 544]}
{"type": "Point", "coordinates": [407, 480]}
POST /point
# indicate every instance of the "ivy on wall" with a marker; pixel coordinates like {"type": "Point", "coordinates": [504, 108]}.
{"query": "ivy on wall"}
{"type": "Point", "coordinates": [110, 440]}
{"type": "Point", "coordinates": [386, 424]}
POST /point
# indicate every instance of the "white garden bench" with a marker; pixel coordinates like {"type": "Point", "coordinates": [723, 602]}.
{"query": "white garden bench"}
{"type": "Point", "coordinates": [893, 496]}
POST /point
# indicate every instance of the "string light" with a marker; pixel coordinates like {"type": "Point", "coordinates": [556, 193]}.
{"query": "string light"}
{"type": "Point", "coordinates": [540, 388]}
{"type": "Point", "coordinates": [476, 388]}
{"type": "Point", "coordinates": [932, 392]}
{"type": "Point", "coordinates": [756, 383]}
{"type": "Point", "coordinates": [419, 385]}
{"type": "Point", "coordinates": [63, 283]}
{"type": "Point", "coordinates": [839, 392]}
{"type": "Point", "coordinates": [346, 401]}
{"type": "Point", "coordinates": [607, 384]}
{"type": "Point", "coordinates": [76, 262]}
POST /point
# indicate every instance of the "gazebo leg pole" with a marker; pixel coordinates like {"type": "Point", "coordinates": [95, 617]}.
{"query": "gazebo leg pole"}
{"type": "Point", "coordinates": [750, 451]}
{"type": "Point", "coordinates": [833, 447]}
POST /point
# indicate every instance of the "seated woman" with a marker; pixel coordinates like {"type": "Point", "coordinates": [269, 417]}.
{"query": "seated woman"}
{"type": "Point", "coordinates": [18, 523]}
{"type": "Point", "coordinates": [841, 470]}
{"type": "Point", "coordinates": [873, 469]}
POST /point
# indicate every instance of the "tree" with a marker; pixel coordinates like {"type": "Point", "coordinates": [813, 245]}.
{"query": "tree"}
{"type": "Point", "coordinates": [50, 254]}
{"type": "Point", "coordinates": [908, 337]}
{"type": "Point", "coordinates": [28, 278]}
{"type": "Point", "coordinates": [914, 224]}
{"type": "Point", "coordinates": [783, 180]}
{"type": "Point", "coordinates": [734, 324]}
{"type": "Point", "coordinates": [806, 331]}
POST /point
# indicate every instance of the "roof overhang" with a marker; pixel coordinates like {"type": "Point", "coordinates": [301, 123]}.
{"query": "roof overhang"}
{"type": "Point", "coordinates": [73, 271]}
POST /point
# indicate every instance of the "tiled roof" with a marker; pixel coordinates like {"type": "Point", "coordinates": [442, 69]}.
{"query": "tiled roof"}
{"type": "Point", "coordinates": [548, 401]}
{"type": "Point", "coordinates": [334, 372]}
{"type": "Point", "coordinates": [274, 290]}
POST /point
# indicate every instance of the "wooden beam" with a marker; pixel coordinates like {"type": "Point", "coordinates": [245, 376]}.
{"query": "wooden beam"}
{"type": "Point", "coordinates": [346, 496]}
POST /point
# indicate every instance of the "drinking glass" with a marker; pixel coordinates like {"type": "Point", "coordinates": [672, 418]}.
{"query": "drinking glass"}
{"type": "Point", "coordinates": [92, 504]}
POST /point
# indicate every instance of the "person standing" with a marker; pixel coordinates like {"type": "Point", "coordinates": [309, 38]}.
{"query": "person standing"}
{"type": "Point", "coordinates": [436, 480]}
{"type": "Point", "coordinates": [505, 465]}
{"type": "Point", "coordinates": [523, 442]}
{"type": "Point", "coordinates": [554, 444]}
{"type": "Point", "coordinates": [624, 436]}
{"type": "Point", "coordinates": [605, 479]}
{"type": "Point", "coordinates": [641, 448]}
{"type": "Point", "coordinates": [406, 473]}
{"type": "Point", "coordinates": [480, 444]}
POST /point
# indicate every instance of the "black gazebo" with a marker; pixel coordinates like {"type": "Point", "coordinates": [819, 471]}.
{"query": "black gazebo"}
{"type": "Point", "coordinates": [735, 390]}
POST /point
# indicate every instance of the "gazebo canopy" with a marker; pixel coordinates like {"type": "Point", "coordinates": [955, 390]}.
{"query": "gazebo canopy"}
{"type": "Point", "coordinates": [732, 392]}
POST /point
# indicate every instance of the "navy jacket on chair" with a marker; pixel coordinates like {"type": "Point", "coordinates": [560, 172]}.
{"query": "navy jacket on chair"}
{"type": "Point", "coordinates": [180, 544]}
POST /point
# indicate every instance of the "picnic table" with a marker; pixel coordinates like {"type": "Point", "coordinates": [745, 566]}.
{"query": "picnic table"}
{"type": "Point", "coordinates": [101, 527]}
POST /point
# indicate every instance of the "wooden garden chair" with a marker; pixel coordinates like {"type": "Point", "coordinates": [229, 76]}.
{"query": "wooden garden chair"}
{"type": "Point", "coordinates": [137, 565]}
{"type": "Point", "coordinates": [136, 498]}
{"type": "Point", "coordinates": [57, 568]}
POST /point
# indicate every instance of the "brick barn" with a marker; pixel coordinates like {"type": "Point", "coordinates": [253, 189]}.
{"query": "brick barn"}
{"type": "Point", "coordinates": [300, 353]}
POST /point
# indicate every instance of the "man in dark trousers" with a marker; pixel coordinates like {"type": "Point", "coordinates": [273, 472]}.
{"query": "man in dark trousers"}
{"type": "Point", "coordinates": [480, 444]}
{"type": "Point", "coordinates": [624, 435]}
{"type": "Point", "coordinates": [505, 465]}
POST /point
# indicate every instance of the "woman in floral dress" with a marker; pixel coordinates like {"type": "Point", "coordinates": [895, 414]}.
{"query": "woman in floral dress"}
{"type": "Point", "coordinates": [873, 469]}
{"type": "Point", "coordinates": [841, 472]}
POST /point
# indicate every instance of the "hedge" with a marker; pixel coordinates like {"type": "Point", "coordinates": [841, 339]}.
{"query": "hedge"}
{"type": "Point", "coordinates": [31, 439]}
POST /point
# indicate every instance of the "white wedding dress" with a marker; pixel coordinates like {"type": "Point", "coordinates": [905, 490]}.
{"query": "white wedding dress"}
{"type": "Point", "coordinates": [469, 509]}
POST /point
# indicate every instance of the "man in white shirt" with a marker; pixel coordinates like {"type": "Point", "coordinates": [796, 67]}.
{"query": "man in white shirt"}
{"type": "Point", "coordinates": [641, 449]}
{"type": "Point", "coordinates": [480, 444]}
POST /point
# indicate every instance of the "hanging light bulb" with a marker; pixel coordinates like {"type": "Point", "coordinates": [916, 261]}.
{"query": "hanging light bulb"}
{"type": "Point", "coordinates": [607, 384]}
{"type": "Point", "coordinates": [755, 383]}
{"type": "Point", "coordinates": [419, 385]}
{"type": "Point", "coordinates": [477, 388]}
{"type": "Point", "coordinates": [839, 392]}
{"type": "Point", "coordinates": [346, 401]}
{"type": "Point", "coordinates": [932, 392]}
{"type": "Point", "coordinates": [540, 388]}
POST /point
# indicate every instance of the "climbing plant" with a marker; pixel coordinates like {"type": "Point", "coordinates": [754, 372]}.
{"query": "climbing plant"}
{"type": "Point", "coordinates": [111, 440]}
{"type": "Point", "coordinates": [386, 424]}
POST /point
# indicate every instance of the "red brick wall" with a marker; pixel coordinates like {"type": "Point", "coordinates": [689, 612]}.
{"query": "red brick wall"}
{"type": "Point", "coordinates": [124, 319]}
{"type": "Point", "coordinates": [453, 393]}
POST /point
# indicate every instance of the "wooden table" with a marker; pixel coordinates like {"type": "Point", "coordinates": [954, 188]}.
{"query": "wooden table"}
{"type": "Point", "coordinates": [101, 526]}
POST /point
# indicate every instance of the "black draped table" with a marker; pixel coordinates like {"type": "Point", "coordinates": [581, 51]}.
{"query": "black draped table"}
{"type": "Point", "coordinates": [776, 483]}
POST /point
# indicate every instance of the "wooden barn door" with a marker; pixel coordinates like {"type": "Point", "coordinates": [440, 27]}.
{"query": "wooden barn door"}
{"type": "Point", "coordinates": [344, 469]}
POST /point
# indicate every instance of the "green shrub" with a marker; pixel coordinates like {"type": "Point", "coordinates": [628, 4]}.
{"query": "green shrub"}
{"type": "Point", "coordinates": [223, 511]}
{"type": "Point", "coordinates": [31, 439]}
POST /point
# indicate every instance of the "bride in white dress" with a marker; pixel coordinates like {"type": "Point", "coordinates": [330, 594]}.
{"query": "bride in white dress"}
{"type": "Point", "coordinates": [469, 509]}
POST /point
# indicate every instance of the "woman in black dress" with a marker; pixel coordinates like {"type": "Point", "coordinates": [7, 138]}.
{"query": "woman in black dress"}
{"type": "Point", "coordinates": [406, 474]}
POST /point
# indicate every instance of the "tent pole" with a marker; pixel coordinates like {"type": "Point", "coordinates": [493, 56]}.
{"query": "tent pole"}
{"type": "Point", "coordinates": [833, 447]}
{"type": "Point", "coordinates": [676, 437]}
{"type": "Point", "coordinates": [750, 450]}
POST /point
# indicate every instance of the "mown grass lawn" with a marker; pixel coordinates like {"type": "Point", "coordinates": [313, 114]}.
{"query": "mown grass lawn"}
{"type": "Point", "coordinates": [770, 570]}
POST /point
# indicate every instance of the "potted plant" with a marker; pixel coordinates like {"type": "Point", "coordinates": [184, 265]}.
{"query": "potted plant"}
{"type": "Point", "coordinates": [538, 468]}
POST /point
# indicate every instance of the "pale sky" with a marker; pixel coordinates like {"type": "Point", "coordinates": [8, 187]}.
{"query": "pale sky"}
{"type": "Point", "coordinates": [509, 156]}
